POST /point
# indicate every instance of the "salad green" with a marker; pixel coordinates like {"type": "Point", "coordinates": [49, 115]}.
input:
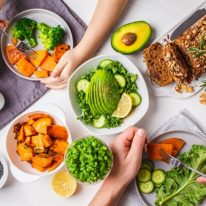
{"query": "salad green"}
{"type": "Point", "coordinates": [88, 159]}
{"type": "Point", "coordinates": [99, 92]}
{"type": "Point", "coordinates": [180, 187]}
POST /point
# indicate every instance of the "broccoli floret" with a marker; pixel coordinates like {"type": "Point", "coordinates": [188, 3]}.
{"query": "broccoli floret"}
{"type": "Point", "coordinates": [25, 29]}
{"type": "Point", "coordinates": [50, 36]}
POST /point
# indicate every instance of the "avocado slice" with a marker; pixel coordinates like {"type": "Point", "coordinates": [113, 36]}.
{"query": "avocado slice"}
{"type": "Point", "coordinates": [110, 94]}
{"type": "Point", "coordinates": [103, 93]}
{"type": "Point", "coordinates": [96, 93]}
{"type": "Point", "coordinates": [131, 37]}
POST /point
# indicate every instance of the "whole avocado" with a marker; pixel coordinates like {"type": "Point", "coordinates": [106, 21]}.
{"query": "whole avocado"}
{"type": "Point", "coordinates": [131, 37]}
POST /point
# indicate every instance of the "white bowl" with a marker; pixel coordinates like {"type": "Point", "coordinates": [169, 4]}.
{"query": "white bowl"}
{"type": "Point", "coordinates": [23, 170]}
{"type": "Point", "coordinates": [5, 171]}
{"type": "Point", "coordinates": [137, 113]}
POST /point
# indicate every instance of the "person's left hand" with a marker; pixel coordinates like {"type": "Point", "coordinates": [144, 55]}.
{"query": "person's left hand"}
{"type": "Point", "coordinates": [59, 77]}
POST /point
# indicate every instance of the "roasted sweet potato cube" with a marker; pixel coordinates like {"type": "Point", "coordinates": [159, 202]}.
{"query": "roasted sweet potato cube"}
{"type": "Point", "coordinates": [42, 160]}
{"type": "Point", "coordinates": [58, 132]}
{"type": "Point", "coordinates": [59, 146]}
{"type": "Point", "coordinates": [21, 135]}
{"type": "Point", "coordinates": [47, 142]}
{"type": "Point", "coordinates": [28, 141]}
{"type": "Point", "coordinates": [29, 130]}
{"type": "Point", "coordinates": [25, 152]}
{"type": "Point", "coordinates": [53, 165]}
{"type": "Point", "coordinates": [37, 143]}
{"type": "Point", "coordinates": [38, 116]}
{"type": "Point", "coordinates": [41, 124]}
{"type": "Point", "coordinates": [58, 158]}
{"type": "Point", "coordinates": [30, 121]}
{"type": "Point", "coordinates": [40, 169]}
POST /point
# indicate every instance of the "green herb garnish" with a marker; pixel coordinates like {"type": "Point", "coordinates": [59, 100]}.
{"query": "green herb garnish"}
{"type": "Point", "coordinates": [204, 85]}
{"type": "Point", "coordinates": [199, 51]}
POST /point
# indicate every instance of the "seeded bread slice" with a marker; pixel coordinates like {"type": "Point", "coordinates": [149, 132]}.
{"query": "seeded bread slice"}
{"type": "Point", "coordinates": [191, 38]}
{"type": "Point", "coordinates": [158, 70]}
{"type": "Point", "coordinates": [177, 67]}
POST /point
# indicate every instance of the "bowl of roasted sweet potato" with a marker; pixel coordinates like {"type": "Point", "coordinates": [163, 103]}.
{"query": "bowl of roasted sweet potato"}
{"type": "Point", "coordinates": [36, 143]}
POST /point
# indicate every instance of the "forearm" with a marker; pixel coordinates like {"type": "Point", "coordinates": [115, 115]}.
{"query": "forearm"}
{"type": "Point", "coordinates": [109, 193]}
{"type": "Point", "coordinates": [105, 16]}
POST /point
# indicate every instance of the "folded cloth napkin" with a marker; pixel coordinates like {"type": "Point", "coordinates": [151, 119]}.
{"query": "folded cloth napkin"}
{"type": "Point", "coordinates": [183, 121]}
{"type": "Point", "coordinates": [18, 92]}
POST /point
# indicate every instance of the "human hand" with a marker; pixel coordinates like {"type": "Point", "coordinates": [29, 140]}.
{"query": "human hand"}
{"type": "Point", "coordinates": [127, 149]}
{"type": "Point", "coordinates": [201, 180]}
{"type": "Point", "coordinates": [59, 77]}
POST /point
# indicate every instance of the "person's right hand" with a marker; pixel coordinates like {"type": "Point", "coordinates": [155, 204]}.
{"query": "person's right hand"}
{"type": "Point", "coordinates": [201, 180]}
{"type": "Point", "coordinates": [127, 149]}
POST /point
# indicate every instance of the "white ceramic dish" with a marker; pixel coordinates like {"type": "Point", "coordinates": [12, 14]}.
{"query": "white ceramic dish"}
{"type": "Point", "coordinates": [169, 90]}
{"type": "Point", "coordinates": [190, 139]}
{"type": "Point", "coordinates": [39, 15]}
{"type": "Point", "coordinates": [22, 170]}
{"type": "Point", "coordinates": [5, 172]}
{"type": "Point", "coordinates": [137, 113]}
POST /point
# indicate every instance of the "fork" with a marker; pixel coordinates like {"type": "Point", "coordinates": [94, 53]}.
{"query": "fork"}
{"type": "Point", "coordinates": [23, 47]}
{"type": "Point", "coordinates": [177, 163]}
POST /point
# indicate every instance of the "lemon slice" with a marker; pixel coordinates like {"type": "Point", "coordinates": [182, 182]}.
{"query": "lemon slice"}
{"type": "Point", "coordinates": [124, 106]}
{"type": "Point", "coordinates": [64, 184]}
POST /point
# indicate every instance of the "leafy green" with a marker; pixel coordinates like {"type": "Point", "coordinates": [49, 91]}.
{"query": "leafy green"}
{"type": "Point", "coordinates": [180, 187]}
{"type": "Point", "coordinates": [116, 68]}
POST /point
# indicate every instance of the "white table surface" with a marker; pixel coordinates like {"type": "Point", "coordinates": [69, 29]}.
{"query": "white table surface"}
{"type": "Point", "coordinates": [162, 15]}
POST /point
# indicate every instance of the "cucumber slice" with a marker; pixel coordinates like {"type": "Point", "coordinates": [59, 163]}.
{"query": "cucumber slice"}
{"type": "Point", "coordinates": [82, 85]}
{"type": "Point", "coordinates": [158, 185]}
{"type": "Point", "coordinates": [100, 122]}
{"type": "Point", "coordinates": [146, 187]}
{"type": "Point", "coordinates": [158, 176]}
{"type": "Point", "coordinates": [105, 63]}
{"type": "Point", "coordinates": [136, 99]}
{"type": "Point", "coordinates": [144, 175]}
{"type": "Point", "coordinates": [147, 164]}
{"type": "Point", "coordinates": [121, 80]}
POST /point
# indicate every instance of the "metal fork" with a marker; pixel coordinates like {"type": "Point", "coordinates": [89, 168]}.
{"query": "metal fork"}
{"type": "Point", "coordinates": [23, 47]}
{"type": "Point", "coordinates": [177, 163]}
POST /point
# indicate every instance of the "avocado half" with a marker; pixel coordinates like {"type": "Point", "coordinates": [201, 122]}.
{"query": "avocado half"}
{"type": "Point", "coordinates": [131, 37]}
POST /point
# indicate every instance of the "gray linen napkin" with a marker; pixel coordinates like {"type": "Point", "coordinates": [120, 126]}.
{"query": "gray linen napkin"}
{"type": "Point", "coordinates": [183, 121]}
{"type": "Point", "coordinates": [18, 92]}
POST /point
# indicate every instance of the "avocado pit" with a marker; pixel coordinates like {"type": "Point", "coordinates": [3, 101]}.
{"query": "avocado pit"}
{"type": "Point", "coordinates": [129, 38]}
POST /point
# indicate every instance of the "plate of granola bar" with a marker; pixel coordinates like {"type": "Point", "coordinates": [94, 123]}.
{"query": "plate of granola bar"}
{"type": "Point", "coordinates": [176, 63]}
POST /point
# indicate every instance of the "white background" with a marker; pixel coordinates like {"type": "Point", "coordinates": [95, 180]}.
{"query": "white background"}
{"type": "Point", "coordinates": [162, 15]}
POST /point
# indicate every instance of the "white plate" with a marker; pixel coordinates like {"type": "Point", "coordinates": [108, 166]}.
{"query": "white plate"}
{"type": "Point", "coordinates": [137, 113]}
{"type": "Point", "coordinates": [190, 139]}
{"type": "Point", "coordinates": [39, 15]}
{"type": "Point", "coordinates": [169, 90]}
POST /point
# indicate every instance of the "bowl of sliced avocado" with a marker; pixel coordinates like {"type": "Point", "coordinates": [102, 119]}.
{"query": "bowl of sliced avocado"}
{"type": "Point", "coordinates": [108, 94]}
{"type": "Point", "coordinates": [131, 37]}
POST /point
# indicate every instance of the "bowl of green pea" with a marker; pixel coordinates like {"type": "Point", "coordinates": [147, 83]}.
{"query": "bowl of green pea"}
{"type": "Point", "coordinates": [89, 159]}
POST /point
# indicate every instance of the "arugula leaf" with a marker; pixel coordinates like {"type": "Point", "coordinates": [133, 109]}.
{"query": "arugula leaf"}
{"type": "Point", "coordinates": [180, 187]}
